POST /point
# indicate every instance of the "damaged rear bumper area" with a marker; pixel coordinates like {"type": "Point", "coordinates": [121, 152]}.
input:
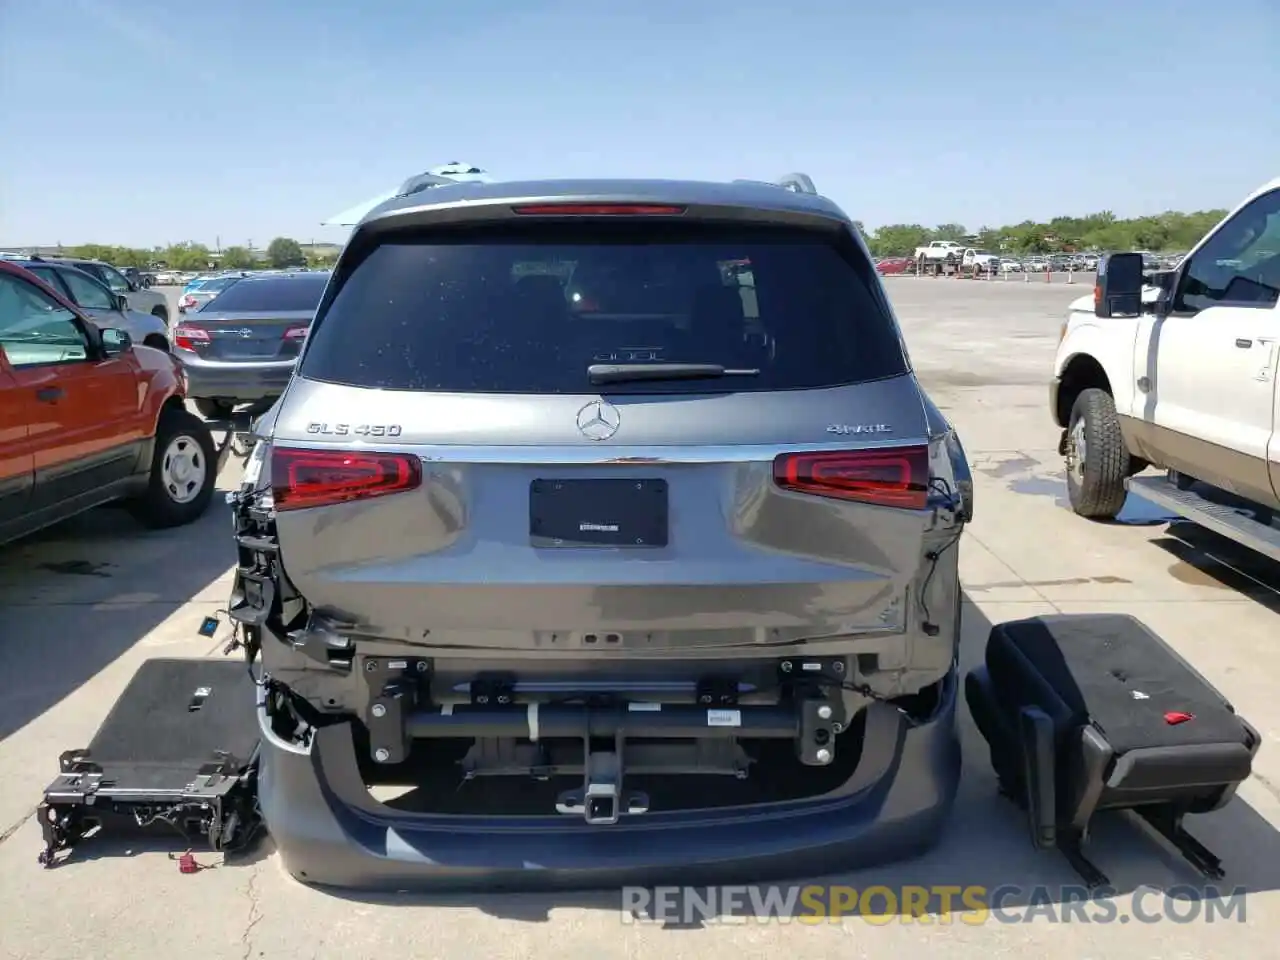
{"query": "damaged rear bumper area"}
{"type": "Point", "coordinates": [330, 830]}
{"type": "Point", "coordinates": [703, 764]}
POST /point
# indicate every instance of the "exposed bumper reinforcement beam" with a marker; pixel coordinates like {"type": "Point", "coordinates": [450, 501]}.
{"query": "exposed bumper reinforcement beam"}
{"type": "Point", "coordinates": [538, 721]}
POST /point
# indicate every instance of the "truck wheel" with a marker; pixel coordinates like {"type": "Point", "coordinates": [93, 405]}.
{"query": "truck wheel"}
{"type": "Point", "coordinates": [184, 467]}
{"type": "Point", "coordinates": [1097, 460]}
{"type": "Point", "coordinates": [215, 409]}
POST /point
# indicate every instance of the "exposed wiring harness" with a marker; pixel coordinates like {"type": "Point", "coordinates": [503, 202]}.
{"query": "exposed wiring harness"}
{"type": "Point", "coordinates": [942, 487]}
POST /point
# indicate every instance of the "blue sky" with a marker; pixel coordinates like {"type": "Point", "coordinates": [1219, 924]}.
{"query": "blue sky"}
{"type": "Point", "coordinates": [143, 122]}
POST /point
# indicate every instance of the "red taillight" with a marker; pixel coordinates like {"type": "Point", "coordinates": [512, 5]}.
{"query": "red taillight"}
{"type": "Point", "coordinates": [600, 210]}
{"type": "Point", "coordinates": [296, 333]}
{"type": "Point", "coordinates": [186, 337]}
{"type": "Point", "coordinates": [318, 478]}
{"type": "Point", "coordinates": [896, 477]}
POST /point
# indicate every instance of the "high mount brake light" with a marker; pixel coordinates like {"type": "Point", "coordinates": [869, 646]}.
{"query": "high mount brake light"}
{"type": "Point", "coordinates": [186, 337]}
{"type": "Point", "coordinates": [320, 478]}
{"type": "Point", "coordinates": [889, 477]}
{"type": "Point", "coordinates": [599, 210]}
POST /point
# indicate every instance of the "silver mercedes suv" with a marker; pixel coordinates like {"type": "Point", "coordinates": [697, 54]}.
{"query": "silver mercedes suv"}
{"type": "Point", "coordinates": [619, 497]}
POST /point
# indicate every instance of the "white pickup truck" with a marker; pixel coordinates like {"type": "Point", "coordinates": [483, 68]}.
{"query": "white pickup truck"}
{"type": "Point", "coordinates": [981, 260]}
{"type": "Point", "coordinates": [937, 250]}
{"type": "Point", "coordinates": [1177, 370]}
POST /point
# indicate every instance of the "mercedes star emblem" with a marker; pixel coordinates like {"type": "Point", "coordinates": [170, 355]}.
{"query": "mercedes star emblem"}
{"type": "Point", "coordinates": [598, 420]}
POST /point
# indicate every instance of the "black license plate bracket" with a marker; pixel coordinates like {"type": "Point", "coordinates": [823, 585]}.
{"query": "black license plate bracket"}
{"type": "Point", "coordinates": [613, 512]}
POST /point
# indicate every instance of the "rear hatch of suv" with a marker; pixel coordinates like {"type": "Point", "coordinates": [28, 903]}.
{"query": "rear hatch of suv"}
{"type": "Point", "coordinates": [636, 427]}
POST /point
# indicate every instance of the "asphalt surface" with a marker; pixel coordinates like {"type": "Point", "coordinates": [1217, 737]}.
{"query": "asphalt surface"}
{"type": "Point", "coordinates": [81, 606]}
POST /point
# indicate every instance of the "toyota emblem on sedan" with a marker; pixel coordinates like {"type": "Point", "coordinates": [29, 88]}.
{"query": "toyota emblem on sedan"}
{"type": "Point", "coordinates": [599, 420]}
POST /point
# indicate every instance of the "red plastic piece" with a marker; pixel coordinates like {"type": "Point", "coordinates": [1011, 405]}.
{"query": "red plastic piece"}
{"type": "Point", "coordinates": [1175, 717]}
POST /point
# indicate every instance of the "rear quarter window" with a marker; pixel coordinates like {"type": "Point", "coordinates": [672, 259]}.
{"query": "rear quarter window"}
{"type": "Point", "coordinates": [508, 310]}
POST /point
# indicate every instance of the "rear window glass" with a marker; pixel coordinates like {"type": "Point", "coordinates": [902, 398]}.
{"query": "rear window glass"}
{"type": "Point", "coordinates": [526, 312]}
{"type": "Point", "coordinates": [219, 283]}
{"type": "Point", "coordinates": [284, 294]}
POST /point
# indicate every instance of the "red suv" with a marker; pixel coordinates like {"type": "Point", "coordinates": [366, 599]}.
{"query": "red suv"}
{"type": "Point", "coordinates": [87, 417]}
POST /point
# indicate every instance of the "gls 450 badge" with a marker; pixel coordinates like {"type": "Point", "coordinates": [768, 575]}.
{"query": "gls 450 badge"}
{"type": "Point", "coordinates": [845, 429]}
{"type": "Point", "coordinates": [357, 430]}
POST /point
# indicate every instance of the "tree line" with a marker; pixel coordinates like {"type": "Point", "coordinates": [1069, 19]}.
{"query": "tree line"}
{"type": "Point", "coordinates": [1169, 232]}
{"type": "Point", "coordinates": [282, 252]}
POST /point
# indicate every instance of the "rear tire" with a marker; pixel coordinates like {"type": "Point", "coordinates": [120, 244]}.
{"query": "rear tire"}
{"type": "Point", "coordinates": [1097, 460]}
{"type": "Point", "coordinates": [184, 469]}
{"type": "Point", "coordinates": [215, 409]}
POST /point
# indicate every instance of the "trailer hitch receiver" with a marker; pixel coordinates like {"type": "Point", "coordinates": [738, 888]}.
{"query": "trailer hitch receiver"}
{"type": "Point", "coordinates": [602, 799]}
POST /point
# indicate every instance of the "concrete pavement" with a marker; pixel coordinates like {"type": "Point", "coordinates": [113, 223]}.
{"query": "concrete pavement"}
{"type": "Point", "coordinates": [83, 605]}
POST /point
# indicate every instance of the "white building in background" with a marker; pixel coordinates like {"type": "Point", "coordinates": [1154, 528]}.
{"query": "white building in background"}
{"type": "Point", "coordinates": [449, 173]}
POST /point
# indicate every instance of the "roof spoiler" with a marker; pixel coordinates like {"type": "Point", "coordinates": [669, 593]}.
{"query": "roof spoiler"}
{"type": "Point", "coordinates": [795, 182]}
{"type": "Point", "coordinates": [447, 175]}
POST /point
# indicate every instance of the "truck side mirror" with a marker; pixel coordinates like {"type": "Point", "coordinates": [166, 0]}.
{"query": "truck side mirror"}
{"type": "Point", "coordinates": [1118, 290]}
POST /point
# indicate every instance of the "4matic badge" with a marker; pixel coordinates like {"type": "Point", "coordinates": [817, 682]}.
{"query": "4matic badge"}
{"type": "Point", "coordinates": [846, 429]}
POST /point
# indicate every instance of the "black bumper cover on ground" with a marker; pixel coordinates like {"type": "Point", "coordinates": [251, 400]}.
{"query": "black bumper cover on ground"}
{"type": "Point", "coordinates": [331, 832]}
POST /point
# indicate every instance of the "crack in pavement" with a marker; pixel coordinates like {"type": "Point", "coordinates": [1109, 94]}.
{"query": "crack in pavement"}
{"type": "Point", "coordinates": [1030, 586]}
{"type": "Point", "coordinates": [255, 911]}
{"type": "Point", "coordinates": [1267, 784]}
{"type": "Point", "coordinates": [17, 826]}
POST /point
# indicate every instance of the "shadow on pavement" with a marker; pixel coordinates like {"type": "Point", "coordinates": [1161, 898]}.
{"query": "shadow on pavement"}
{"type": "Point", "coordinates": [75, 597]}
{"type": "Point", "coordinates": [988, 846]}
{"type": "Point", "coordinates": [1204, 558]}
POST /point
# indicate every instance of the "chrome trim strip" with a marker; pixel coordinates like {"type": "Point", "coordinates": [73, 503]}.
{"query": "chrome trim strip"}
{"type": "Point", "coordinates": [583, 455]}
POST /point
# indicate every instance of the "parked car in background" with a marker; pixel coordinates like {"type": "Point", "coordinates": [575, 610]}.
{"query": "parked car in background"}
{"type": "Point", "coordinates": [199, 293]}
{"type": "Point", "coordinates": [139, 298]}
{"type": "Point", "coordinates": [106, 309]}
{"type": "Point", "coordinates": [191, 283]}
{"type": "Point", "coordinates": [99, 419]}
{"type": "Point", "coordinates": [936, 251]}
{"type": "Point", "coordinates": [983, 261]}
{"type": "Point", "coordinates": [141, 278]}
{"type": "Point", "coordinates": [892, 266]}
{"type": "Point", "coordinates": [241, 347]}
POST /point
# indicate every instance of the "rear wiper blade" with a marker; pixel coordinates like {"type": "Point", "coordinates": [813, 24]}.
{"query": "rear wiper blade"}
{"type": "Point", "coordinates": [621, 372]}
